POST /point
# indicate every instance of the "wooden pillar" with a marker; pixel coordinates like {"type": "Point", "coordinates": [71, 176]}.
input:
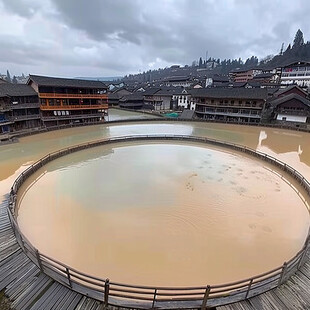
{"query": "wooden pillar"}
{"type": "Point", "coordinates": [106, 293]}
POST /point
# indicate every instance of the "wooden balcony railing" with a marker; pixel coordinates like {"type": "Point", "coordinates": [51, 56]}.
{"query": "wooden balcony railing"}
{"type": "Point", "coordinates": [74, 107]}
{"type": "Point", "coordinates": [71, 117]}
{"type": "Point", "coordinates": [24, 117]}
{"type": "Point", "coordinates": [72, 96]}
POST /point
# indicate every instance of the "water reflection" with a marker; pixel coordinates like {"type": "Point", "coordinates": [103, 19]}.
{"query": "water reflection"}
{"type": "Point", "coordinates": [277, 143]}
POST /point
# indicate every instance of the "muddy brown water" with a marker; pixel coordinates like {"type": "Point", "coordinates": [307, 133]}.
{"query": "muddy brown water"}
{"type": "Point", "coordinates": [204, 224]}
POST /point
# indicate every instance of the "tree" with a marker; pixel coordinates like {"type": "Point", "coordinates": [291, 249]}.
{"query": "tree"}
{"type": "Point", "coordinates": [8, 76]}
{"type": "Point", "coordinates": [288, 49]}
{"type": "Point", "coordinates": [299, 39]}
{"type": "Point", "coordinates": [266, 59]}
{"type": "Point", "coordinates": [14, 80]}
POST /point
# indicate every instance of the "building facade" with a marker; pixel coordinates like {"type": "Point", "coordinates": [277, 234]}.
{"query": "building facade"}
{"type": "Point", "coordinates": [291, 105]}
{"type": "Point", "coordinates": [292, 108]}
{"type": "Point", "coordinates": [296, 73]}
{"type": "Point", "coordinates": [244, 75]}
{"type": "Point", "coordinates": [69, 101]}
{"type": "Point", "coordinates": [178, 81]}
{"type": "Point", "coordinates": [182, 98]}
{"type": "Point", "coordinates": [229, 104]}
{"type": "Point", "coordinates": [19, 108]}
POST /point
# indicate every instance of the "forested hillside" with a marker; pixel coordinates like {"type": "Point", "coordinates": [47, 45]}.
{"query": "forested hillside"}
{"type": "Point", "coordinates": [297, 51]}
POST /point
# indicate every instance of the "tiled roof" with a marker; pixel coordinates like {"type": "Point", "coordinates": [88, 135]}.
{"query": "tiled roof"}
{"type": "Point", "coordinates": [133, 97]}
{"type": "Point", "coordinates": [282, 91]}
{"type": "Point", "coordinates": [220, 78]}
{"type": "Point", "coordinates": [283, 99]}
{"type": "Point", "coordinates": [263, 76]}
{"type": "Point", "coordinates": [2, 81]}
{"type": "Point", "coordinates": [151, 91]}
{"type": "Point", "coordinates": [64, 82]}
{"type": "Point", "coordinates": [16, 90]}
{"type": "Point", "coordinates": [242, 93]}
{"type": "Point", "coordinates": [177, 78]}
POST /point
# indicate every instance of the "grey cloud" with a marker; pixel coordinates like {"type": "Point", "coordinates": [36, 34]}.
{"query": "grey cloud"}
{"type": "Point", "coordinates": [126, 35]}
{"type": "Point", "coordinates": [22, 8]}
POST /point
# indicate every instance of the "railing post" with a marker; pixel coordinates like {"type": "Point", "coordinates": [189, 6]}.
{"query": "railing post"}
{"type": "Point", "coordinates": [69, 276]}
{"type": "Point", "coordinates": [249, 288]}
{"type": "Point", "coordinates": [205, 298]}
{"type": "Point", "coordinates": [39, 260]}
{"type": "Point", "coordinates": [284, 267]}
{"type": "Point", "coordinates": [302, 257]}
{"type": "Point", "coordinates": [106, 293]}
{"type": "Point", "coordinates": [154, 298]}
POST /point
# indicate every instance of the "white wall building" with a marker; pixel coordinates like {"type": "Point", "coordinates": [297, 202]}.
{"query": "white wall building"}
{"type": "Point", "coordinates": [296, 73]}
{"type": "Point", "coordinates": [183, 99]}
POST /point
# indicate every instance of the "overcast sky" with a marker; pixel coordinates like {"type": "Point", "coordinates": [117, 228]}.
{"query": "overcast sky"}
{"type": "Point", "coordinates": [116, 37]}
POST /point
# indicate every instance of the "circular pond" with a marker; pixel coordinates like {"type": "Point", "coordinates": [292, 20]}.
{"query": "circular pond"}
{"type": "Point", "coordinates": [163, 213]}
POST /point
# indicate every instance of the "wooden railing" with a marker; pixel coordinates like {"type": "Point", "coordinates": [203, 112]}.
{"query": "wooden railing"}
{"type": "Point", "coordinates": [72, 117]}
{"type": "Point", "coordinates": [75, 107]}
{"type": "Point", "coordinates": [146, 297]}
{"type": "Point", "coordinates": [24, 117]}
{"type": "Point", "coordinates": [72, 96]}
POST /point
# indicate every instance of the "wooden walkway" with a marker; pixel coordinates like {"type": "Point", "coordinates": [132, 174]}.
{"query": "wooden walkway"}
{"type": "Point", "coordinates": [292, 295]}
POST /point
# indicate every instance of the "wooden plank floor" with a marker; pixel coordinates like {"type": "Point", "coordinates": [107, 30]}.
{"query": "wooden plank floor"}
{"type": "Point", "coordinates": [29, 289]}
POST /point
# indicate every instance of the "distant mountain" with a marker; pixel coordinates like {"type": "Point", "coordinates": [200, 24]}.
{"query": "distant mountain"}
{"type": "Point", "coordinates": [102, 78]}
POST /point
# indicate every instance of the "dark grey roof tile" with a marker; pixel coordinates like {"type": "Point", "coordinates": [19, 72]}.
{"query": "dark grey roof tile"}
{"type": "Point", "coordinates": [65, 82]}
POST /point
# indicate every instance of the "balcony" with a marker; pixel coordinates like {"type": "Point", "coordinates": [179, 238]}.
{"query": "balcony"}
{"type": "Point", "coordinates": [257, 116]}
{"type": "Point", "coordinates": [294, 112]}
{"type": "Point", "coordinates": [230, 105]}
{"type": "Point", "coordinates": [72, 96]}
{"type": "Point", "coordinates": [6, 122]}
{"type": "Point", "coordinates": [72, 117]}
{"type": "Point", "coordinates": [10, 107]}
{"type": "Point", "coordinates": [30, 105]}
{"type": "Point", "coordinates": [15, 118]}
{"type": "Point", "coordinates": [74, 107]}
